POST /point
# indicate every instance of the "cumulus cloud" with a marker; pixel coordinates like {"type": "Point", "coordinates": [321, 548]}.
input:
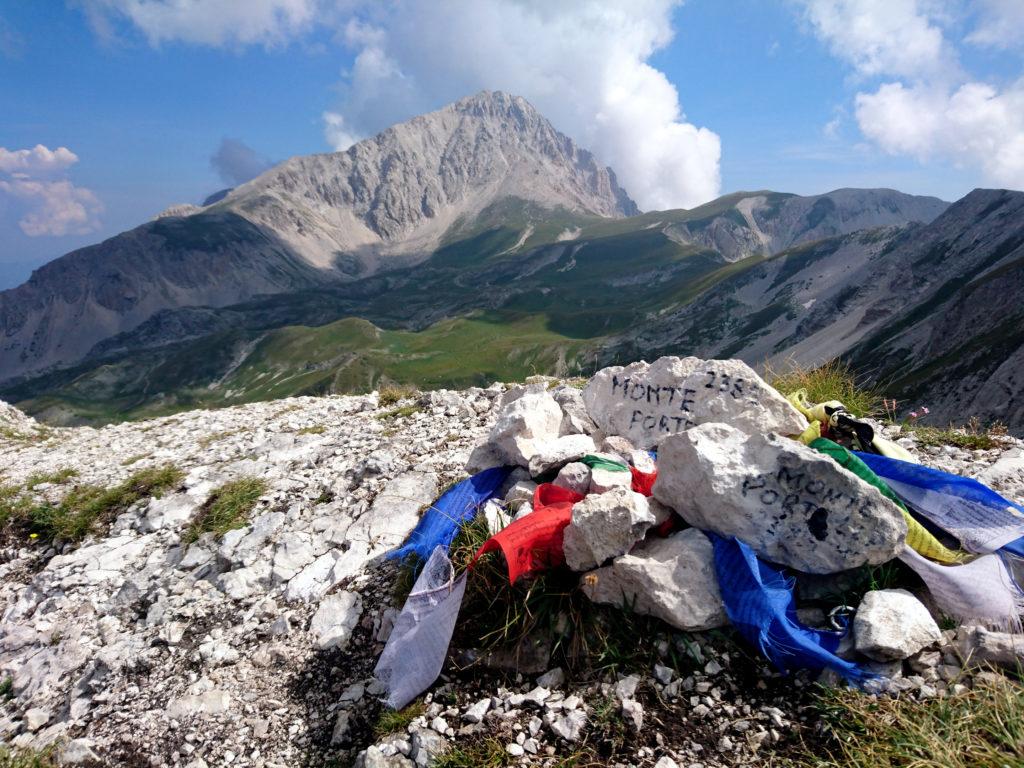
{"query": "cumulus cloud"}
{"type": "Point", "coordinates": [39, 159]}
{"type": "Point", "coordinates": [208, 22]}
{"type": "Point", "coordinates": [584, 65]}
{"type": "Point", "coordinates": [928, 106]}
{"type": "Point", "coordinates": [50, 206]}
{"type": "Point", "coordinates": [236, 162]}
{"type": "Point", "coordinates": [882, 37]}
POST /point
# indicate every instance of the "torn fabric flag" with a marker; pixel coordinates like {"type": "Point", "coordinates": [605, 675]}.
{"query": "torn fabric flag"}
{"type": "Point", "coordinates": [759, 601]}
{"type": "Point", "coordinates": [442, 520]}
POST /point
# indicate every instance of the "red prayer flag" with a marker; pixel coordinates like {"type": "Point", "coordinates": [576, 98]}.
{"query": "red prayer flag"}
{"type": "Point", "coordinates": [534, 543]}
{"type": "Point", "coordinates": [643, 482]}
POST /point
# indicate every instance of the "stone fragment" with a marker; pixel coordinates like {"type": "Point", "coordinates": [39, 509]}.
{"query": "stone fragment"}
{"type": "Point", "coordinates": [36, 718]}
{"type": "Point", "coordinates": [978, 646]}
{"type": "Point", "coordinates": [666, 762]}
{"type": "Point", "coordinates": [475, 713]}
{"type": "Point", "coordinates": [554, 454]}
{"type": "Point", "coordinates": [79, 752]}
{"type": "Point", "coordinates": [341, 727]}
{"type": "Point", "coordinates": [672, 578]}
{"type": "Point", "coordinates": [569, 726]}
{"type": "Point", "coordinates": [335, 618]}
{"type": "Point", "coordinates": [604, 480]}
{"type": "Point", "coordinates": [892, 624]}
{"type": "Point", "coordinates": [533, 418]}
{"type": "Point", "coordinates": [575, 419]}
{"type": "Point", "coordinates": [647, 402]}
{"type": "Point", "coordinates": [604, 526]}
{"type": "Point", "coordinates": [427, 745]}
{"type": "Point", "coordinates": [211, 702]}
{"type": "Point", "coordinates": [575, 477]}
{"type": "Point", "coordinates": [625, 687]}
{"type": "Point", "coordinates": [373, 757]}
{"type": "Point", "coordinates": [521, 491]}
{"type": "Point", "coordinates": [553, 678]}
{"type": "Point", "coordinates": [633, 714]}
{"type": "Point", "coordinates": [218, 653]}
{"type": "Point", "coordinates": [793, 505]}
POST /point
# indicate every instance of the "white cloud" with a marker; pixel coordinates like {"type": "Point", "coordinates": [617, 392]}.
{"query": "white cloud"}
{"type": "Point", "coordinates": [49, 206]}
{"type": "Point", "coordinates": [337, 134]}
{"type": "Point", "coordinates": [55, 207]}
{"type": "Point", "coordinates": [39, 159]}
{"type": "Point", "coordinates": [928, 107]}
{"type": "Point", "coordinates": [974, 125]}
{"type": "Point", "coordinates": [882, 37]}
{"type": "Point", "coordinates": [1000, 24]}
{"type": "Point", "coordinates": [209, 22]}
{"type": "Point", "coordinates": [583, 65]}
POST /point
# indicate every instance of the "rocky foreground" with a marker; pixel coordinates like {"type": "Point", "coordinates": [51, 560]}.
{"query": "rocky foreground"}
{"type": "Point", "coordinates": [257, 648]}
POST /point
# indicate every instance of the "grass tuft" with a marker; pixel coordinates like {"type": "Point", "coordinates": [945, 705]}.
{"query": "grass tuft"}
{"type": "Point", "coordinates": [392, 721]}
{"type": "Point", "coordinates": [392, 393]}
{"type": "Point", "coordinates": [981, 728]}
{"type": "Point", "coordinates": [57, 477]}
{"type": "Point", "coordinates": [972, 436]}
{"type": "Point", "coordinates": [316, 429]}
{"type": "Point", "coordinates": [227, 508]}
{"type": "Point", "coordinates": [400, 412]}
{"type": "Point", "coordinates": [483, 753]}
{"type": "Point", "coordinates": [7, 688]}
{"type": "Point", "coordinates": [84, 509]}
{"type": "Point", "coordinates": [833, 380]}
{"type": "Point", "coordinates": [585, 637]}
{"type": "Point", "coordinates": [27, 758]}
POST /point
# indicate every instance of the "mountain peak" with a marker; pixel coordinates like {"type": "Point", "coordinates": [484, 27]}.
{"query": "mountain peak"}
{"type": "Point", "coordinates": [396, 194]}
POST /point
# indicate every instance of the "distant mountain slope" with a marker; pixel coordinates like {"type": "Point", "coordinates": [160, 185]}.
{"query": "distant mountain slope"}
{"type": "Point", "coordinates": [385, 203]}
{"type": "Point", "coordinates": [549, 302]}
{"type": "Point", "coordinates": [932, 311]}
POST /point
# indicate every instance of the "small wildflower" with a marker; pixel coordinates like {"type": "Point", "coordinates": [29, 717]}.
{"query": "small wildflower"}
{"type": "Point", "coordinates": [33, 535]}
{"type": "Point", "coordinates": [925, 411]}
{"type": "Point", "coordinates": [913, 414]}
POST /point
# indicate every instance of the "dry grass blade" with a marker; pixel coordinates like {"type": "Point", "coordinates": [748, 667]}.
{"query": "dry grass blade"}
{"type": "Point", "coordinates": [981, 728]}
{"type": "Point", "coordinates": [833, 380]}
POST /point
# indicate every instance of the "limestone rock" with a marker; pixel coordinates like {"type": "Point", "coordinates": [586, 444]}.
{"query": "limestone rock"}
{"type": "Point", "coordinates": [604, 480]}
{"type": "Point", "coordinates": [647, 402]}
{"type": "Point", "coordinates": [604, 526]}
{"type": "Point", "coordinates": [672, 578]}
{"type": "Point", "coordinates": [552, 454]}
{"type": "Point", "coordinates": [335, 618]}
{"type": "Point", "coordinates": [793, 505]}
{"type": "Point", "coordinates": [574, 476]}
{"type": "Point", "coordinates": [575, 419]}
{"type": "Point", "coordinates": [893, 624]}
{"type": "Point", "coordinates": [523, 424]}
{"type": "Point", "coordinates": [212, 702]}
{"type": "Point", "coordinates": [978, 645]}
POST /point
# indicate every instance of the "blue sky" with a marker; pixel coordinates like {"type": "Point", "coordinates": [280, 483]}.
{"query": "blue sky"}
{"type": "Point", "coordinates": [685, 101]}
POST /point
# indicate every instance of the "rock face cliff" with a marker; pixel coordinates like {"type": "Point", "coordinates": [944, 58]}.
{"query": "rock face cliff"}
{"type": "Point", "coordinates": [386, 202]}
